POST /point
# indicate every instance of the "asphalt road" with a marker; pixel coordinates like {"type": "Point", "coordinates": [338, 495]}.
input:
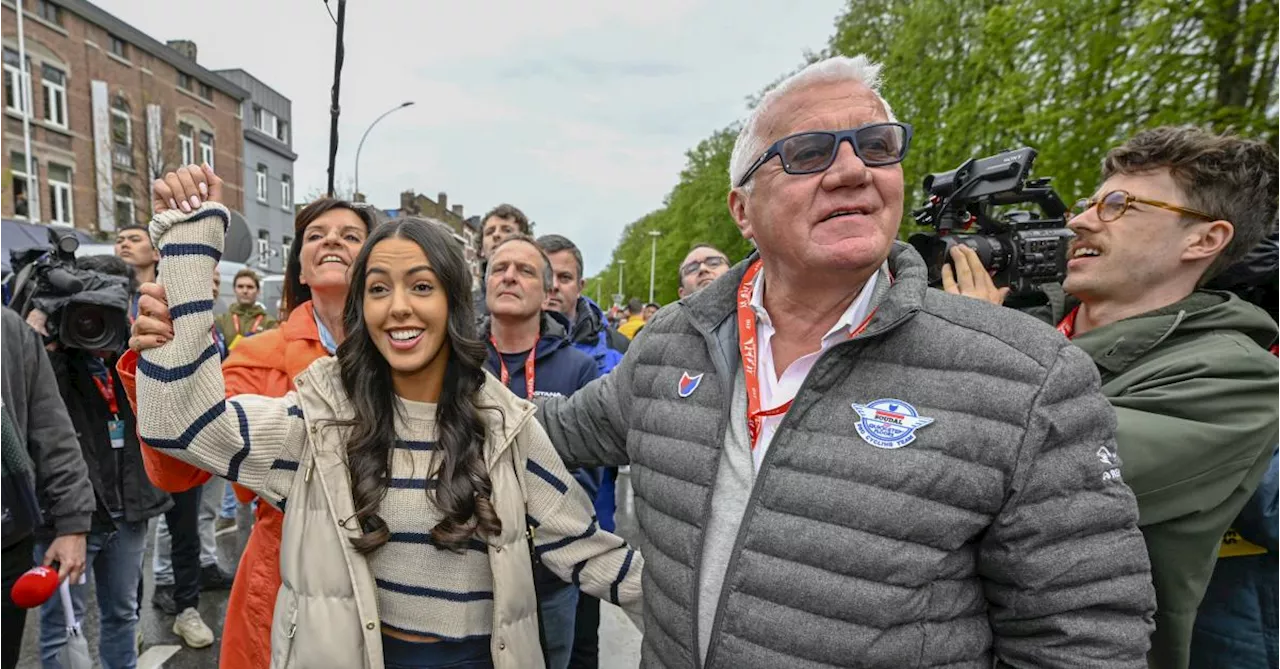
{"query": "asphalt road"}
{"type": "Point", "coordinates": [619, 639]}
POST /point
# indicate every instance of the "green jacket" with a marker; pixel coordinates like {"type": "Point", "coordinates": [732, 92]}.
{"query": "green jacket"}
{"type": "Point", "coordinates": [249, 323]}
{"type": "Point", "coordinates": [1194, 389]}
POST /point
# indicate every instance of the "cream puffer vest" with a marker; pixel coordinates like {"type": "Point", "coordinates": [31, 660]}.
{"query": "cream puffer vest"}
{"type": "Point", "coordinates": [326, 611]}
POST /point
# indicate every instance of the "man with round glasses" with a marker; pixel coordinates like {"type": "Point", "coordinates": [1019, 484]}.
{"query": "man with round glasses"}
{"type": "Point", "coordinates": [703, 264]}
{"type": "Point", "coordinates": [835, 465]}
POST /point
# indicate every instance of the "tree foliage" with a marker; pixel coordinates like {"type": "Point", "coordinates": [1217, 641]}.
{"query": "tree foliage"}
{"type": "Point", "coordinates": [1070, 79]}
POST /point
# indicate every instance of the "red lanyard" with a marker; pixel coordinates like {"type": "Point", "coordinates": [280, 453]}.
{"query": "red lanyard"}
{"type": "Point", "coordinates": [108, 392]}
{"type": "Point", "coordinates": [747, 347]}
{"type": "Point", "coordinates": [505, 376]}
{"type": "Point", "coordinates": [235, 320]}
{"type": "Point", "coordinates": [1068, 325]}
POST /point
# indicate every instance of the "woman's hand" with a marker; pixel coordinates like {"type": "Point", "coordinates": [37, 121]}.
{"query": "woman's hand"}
{"type": "Point", "coordinates": [154, 327]}
{"type": "Point", "coordinates": [186, 189]}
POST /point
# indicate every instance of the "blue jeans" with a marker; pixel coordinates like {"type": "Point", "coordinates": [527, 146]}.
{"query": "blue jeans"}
{"type": "Point", "coordinates": [229, 501]}
{"type": "Point", "coordinates": [114, 559]}
{"type": "Point", "coordinates": [558, 609]}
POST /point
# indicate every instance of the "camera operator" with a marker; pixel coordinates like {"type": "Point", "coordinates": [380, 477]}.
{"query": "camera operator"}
{"type": "Point", "coordinates": [1187, 369]}
{"type": "Point", "coordinates": [126, 500]}
{"type": "Point", "coordinates": [46, 486]}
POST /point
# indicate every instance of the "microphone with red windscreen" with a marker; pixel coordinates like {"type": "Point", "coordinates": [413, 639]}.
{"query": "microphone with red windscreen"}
{"type": "Point", "coordinates": [34, 587]}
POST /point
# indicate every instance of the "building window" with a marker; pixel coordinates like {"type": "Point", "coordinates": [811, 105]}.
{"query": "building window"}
{"type": "Point", "coordinates": [262, 183]}
{"type": "Point", "coordinates": [264, 121]}
{"type": "Point", "coordinates": [60, 193]}
{"type": "Point", "coordinates": [184, 81]}
{"type": "Point", "coordinates": [186, 143]}
{"type": "Point", "coordinates": [18, 176]}
{"type": "Point", "coordinates": [124, 205]}
{"type": "Point", "coordinates": [257, 117]}
{"type": "Point", "coordinates": [286, 192]}
{"type": "Point", "coordinates": [282, 132]}
{"type": "Point", "coordinates": [206, 148]}
{"type": "Point", "coordinates": [119, 47]}
{"type": "Point", "coordinates": [206, 91]}
{"type": "Point", "coordinates": [121, 133]}
{"type": "Point", "coordinates": [15, 91]}
{"type": "Point", "coordinates": [55, 96]}
{"type": "Point", "coordinates": [49, 12]}
{"type": "Point", "coordinates": [264, 248]}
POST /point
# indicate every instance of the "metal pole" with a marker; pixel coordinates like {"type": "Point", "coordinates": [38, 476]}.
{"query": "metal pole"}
{"type": "Point", "coordinates": [402, 105]}
{"type": "Point", "coordinates": [653, 261]}
{"type": "Point", "coordinates": [621, 264]}
{"type": "Point", "coordinates": [334, 108]}
{"type": "Point", "coordinates": [33, 199]}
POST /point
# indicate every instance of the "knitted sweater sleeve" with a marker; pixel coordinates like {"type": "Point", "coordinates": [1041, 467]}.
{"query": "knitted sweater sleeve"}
{"type": "Point", "coordinates": [183, 410]}
{"type": "Point", "coordinates": [567, 537]}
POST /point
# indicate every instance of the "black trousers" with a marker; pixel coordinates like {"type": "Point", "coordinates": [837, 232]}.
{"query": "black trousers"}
{"type": "Point", "coordinates": [586, 634]}
{"type": "Point", "coordinates": [17, 559]}
{"type": "Point", "coordinates": [184, 530]}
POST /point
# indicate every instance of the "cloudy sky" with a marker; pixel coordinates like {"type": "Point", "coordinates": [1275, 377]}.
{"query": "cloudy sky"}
{"type": "Point", "coordinates": [577, 111]}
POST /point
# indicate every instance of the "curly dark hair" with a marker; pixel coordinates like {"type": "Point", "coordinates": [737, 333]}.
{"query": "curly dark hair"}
{"type": "Point", "coordinates": [1221, 175]}
{"type": "Point", "coordinates": [463, 491]}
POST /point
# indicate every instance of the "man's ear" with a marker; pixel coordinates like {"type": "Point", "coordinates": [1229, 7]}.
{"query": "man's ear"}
{"type": "Point", "coordinates": [1207, 240]}
{"type": "Point", "coordinates": [738, 209]}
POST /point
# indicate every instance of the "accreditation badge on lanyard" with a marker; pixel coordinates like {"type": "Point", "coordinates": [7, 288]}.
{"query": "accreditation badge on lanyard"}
{"type": "Point", "coordinates": [529, 363]}
{"type": "Point", "coordinates": [748, 346]}
{"type": "Point", "coordinates": [115, 426]}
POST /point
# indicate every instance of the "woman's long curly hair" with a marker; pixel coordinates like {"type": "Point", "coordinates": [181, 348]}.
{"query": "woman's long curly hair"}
{"type": "Point", "coordinates": [463, 491]}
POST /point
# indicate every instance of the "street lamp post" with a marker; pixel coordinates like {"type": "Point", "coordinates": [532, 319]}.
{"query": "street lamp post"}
{"type": "Point", "coordinates": [653, 260]}
{"type": "Point", "coordinates": [402, 105]}
{"type": "Point", "coordinates": [621, 265]}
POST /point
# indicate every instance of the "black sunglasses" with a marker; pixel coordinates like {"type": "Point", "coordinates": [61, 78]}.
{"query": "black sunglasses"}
{"type": "Point", "coordinates": [876, 144]}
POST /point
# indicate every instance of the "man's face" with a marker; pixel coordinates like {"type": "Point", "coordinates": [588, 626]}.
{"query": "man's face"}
{"type": "Point", "coordinates": [217, 285]}
{"type": "Point", "coordinates": [514, 286]}
{"type": "Point", "coordinates": [566, 286]}
{"type": "Point", "coordinates": [698, 269]}
{"type": "Point", "coordinates": [1142, 249]}
{"type": "Point", "coordinates": [246, 291]}
{"type": "Point", "coordinates": [134, 247]}
{"type": "Point", "coordinates": [796, 220]}
{"type": "Point", "coordinates": [494, 231]}
{"type": "Point", "coordinates": [649, 312]}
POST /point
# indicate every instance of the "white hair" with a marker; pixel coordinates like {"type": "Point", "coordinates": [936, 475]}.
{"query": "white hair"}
{"type": "Point", "coordinates": [837, 69]}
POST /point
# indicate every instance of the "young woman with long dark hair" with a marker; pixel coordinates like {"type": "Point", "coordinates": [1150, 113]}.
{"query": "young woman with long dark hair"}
{"type": "Point", "coordinates": [409, 478]}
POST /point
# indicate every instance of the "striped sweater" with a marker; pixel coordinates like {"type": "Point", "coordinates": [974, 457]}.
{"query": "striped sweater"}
{"type": "Point", "coordinates": [259, 443]}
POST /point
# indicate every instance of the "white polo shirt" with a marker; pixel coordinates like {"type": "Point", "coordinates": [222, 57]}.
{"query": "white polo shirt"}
{"type": "Point", "coordinates": [776, 389]}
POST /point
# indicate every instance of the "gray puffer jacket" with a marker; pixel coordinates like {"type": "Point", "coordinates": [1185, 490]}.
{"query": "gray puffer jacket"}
{"type": "Point", "coordinates": [1001, 534]}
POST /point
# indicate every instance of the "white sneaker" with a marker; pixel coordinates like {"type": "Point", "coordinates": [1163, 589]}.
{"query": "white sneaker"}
{"type": "Point", "coordinates": [190, 626]}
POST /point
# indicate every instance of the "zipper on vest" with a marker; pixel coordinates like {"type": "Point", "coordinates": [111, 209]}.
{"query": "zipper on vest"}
{"type": "Point", "coordinates": [293, 621]}
{"type": "Point", "coordinates": [749, 512]}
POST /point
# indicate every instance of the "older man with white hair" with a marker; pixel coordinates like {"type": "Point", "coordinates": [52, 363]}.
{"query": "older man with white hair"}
{"type": "Point", "coordinates": [837, 466]}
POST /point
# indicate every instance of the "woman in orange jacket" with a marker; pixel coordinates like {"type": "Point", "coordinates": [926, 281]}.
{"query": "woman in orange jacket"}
{"type": "Point", "coordinates": [329, 234]}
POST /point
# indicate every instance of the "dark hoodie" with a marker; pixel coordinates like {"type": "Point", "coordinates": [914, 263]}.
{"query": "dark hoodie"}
{"type": "Point", "coordinates": [559, 370]}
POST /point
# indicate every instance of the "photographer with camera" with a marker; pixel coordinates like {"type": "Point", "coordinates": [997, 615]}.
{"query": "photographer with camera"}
{"type": "Point", "coordinates": [82, 350]}
{"type": "Point", "coordinates": [1187, 370]}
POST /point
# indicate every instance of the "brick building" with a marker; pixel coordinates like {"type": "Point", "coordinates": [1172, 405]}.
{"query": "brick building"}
{"type": "Point", "coordinates": [109, 108]}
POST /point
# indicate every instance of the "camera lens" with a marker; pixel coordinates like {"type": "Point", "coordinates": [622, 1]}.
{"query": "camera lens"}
{"type": "Point", "coordinates": [93, 328]}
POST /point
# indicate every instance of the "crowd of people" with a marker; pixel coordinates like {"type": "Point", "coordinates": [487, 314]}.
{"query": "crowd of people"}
{"type": "Point", "coordinates": [834, 464]}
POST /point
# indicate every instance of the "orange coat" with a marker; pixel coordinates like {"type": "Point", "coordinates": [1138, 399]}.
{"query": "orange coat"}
{"type": "Point", "coordinates": [264, 364]}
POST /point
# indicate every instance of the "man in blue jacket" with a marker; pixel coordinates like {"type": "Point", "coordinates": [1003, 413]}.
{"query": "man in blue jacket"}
{"type": "Point", "coordinates": [530, 352]}
{"type": "Point", "coordinates": [591, 334]}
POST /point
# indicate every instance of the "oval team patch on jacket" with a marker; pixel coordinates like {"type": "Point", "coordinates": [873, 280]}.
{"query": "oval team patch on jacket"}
{"type": "Point", "coordinates": [889, 423]}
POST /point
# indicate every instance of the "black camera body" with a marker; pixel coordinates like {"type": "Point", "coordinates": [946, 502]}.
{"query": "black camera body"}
{"type": "Point", "coordinates": [1024, 250]}
{"type": "Point", "coordinates": [86, 309]}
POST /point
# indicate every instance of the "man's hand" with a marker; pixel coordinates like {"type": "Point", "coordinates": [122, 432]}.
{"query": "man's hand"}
{"type": "Point", "coordinates": [68, 551]}
{"type": "Point", "coordinates": [154, 326]}
{"type": "Point", "coordinates": [185, 189]}
{"type": "Point", "coordinates": [39, 321]}
{"type": "Point", "coordinates": [969, 277]}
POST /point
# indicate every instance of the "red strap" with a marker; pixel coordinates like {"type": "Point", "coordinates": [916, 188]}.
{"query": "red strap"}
{"type": "Point", "coordinates": [235, 321]}
{"type": "Point", "coordinates": [748, 348]}
{"type": "Point", "coordinates": [1068, 325]}
{"type": "Point", "coordinates": [108, 391]}
{"type": "Point", "coordinates": [529, 362]}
